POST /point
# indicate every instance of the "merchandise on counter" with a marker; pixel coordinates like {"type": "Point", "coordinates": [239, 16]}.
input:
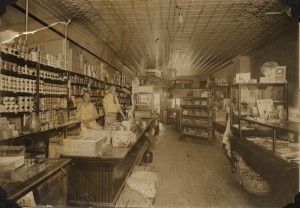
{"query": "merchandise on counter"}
{"type": "Point", "coordinates": [27, 200]}
{"type": "Point", "coordinates": [242, 77]}
{"type": "Point", "coordinates": [85, 145]}
{"type": "Point", "coordinates": [11, 157]}
{"type": "Point", "coordinates": [122, 138]}
{"type": "Point", "coordinates": [11, 163]}
{"type": "Point", "coordinates": [7, 130]}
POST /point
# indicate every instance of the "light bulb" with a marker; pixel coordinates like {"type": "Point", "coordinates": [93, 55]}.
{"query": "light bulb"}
{"type": "Point", "coordinates": [180, 17]}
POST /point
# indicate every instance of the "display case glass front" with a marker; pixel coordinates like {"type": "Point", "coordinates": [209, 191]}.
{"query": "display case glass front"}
{"type": "Point", "coordinates": [258, 100]}
{"type": "Point", "coordinates": [220, 102]}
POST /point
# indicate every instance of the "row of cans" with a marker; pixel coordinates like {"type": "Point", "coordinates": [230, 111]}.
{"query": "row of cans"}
{"type": "Point", "coordinates": [16, 84]}
{"type": "Point", "coordinates": [9, 66]}
{"type": "Point", "coordinates": [17, 104]}
{"type": "Point", "coordinates": [51, 88]}
{"type": "Point", "coordinates": [53, 103]}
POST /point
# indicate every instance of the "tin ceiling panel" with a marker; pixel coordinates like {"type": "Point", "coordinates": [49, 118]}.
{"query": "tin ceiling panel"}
{"type": "Point", "coordinates": [195, 37]}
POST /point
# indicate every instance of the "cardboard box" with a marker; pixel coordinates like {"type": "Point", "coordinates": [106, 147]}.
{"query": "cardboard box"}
{"type": "Point", "coordinates": [145, 89]}
{"type": "Point", "coordinates": [122, 138]}
{"type": "Point", "coordinates": [85, 145]}
{"type": "Point", "coordinates": [280, 74]}
{"type": "Point", "coordinates": [275, 75]}
{"type": "Point", "coordinates": [242, 77]}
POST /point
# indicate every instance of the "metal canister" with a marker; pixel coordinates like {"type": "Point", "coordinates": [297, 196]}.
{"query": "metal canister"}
{"type": "Point", "coordinates": [148, 156]}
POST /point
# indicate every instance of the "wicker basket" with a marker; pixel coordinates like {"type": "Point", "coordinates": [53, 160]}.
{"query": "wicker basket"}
{"type": "Point", "coordinates": [251, 181]}
{"type": "Point", "coordinates": [254, 183]}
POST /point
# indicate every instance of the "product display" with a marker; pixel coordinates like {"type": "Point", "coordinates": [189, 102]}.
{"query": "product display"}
{"type": "Point", "coordinates": [84, 145]}
{"type": "Point", "coordinates": [196, 116]}
{"type": "Point", "coordinates": [122, 138]}
{"type": "Point", "coordinates": [266, 101]}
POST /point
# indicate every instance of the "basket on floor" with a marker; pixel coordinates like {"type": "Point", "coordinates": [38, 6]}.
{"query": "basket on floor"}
{"type": "Point", "coordinates": [254, 183]}
{"type": "Point", "coordinates": [251, 181]}
{"type": "Point", "coordinates": [144, 182]}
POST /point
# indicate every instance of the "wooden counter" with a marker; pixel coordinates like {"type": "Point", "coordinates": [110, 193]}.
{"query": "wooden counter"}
{"type": "Point", "coordinates": [100, 180]}
{"type": "Point", "coordinates": [219, 126]}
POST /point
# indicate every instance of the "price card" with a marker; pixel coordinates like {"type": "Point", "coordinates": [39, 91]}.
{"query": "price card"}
{"type": "Point", "coordinates": [264, 107]}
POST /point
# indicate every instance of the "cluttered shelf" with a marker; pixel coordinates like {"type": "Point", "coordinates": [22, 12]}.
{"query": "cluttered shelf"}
{"type": "Point", "coordinates": [70, 124]}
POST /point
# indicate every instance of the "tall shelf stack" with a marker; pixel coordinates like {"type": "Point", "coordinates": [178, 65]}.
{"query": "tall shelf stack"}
{"type": "Point", "coordinates": [196, 117]}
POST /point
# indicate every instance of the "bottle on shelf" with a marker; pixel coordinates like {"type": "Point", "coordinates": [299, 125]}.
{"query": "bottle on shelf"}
{"type": "Point", "coordinates": [33, 123]}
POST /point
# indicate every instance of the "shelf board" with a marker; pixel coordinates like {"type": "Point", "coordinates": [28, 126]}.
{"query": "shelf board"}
{"type": "Point", "coordinates": [194, 116]}
{"type": "Point", "coordinates": [194, 126]}
{"type": "Point", "coordinates": [220, 86]}
{"type": "Point", "coordinates": [258, 84]}
{"type": "Point", "coordinates": [52, 95]}
{"type": "Point", "coordinates": [47, 80]}
{"type": "Point", "coordinates": [15, 113]}
{"type": "Point", "coordinates": [194, 107]}
{"type": "Point", "coordinates": [51, 68]}
{"type": "Point", "coordinates": [14, 59]}
{"type": "Point", "coordinates": [57, 109]}
{"type": "Point", "coordinates": [78, 84]}
{"type": "Point", "coordinates": [15, 93]}
{"type": "Point", "coordinates": [18, 75]}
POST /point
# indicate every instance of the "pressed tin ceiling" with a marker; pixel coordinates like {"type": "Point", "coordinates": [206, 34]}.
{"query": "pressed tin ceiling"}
{"type": "Point", "coordinates": [144, 34]}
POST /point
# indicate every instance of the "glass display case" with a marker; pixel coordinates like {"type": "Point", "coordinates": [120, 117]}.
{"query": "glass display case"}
{"type": "Point", "coordinates": [220, 96]}
{"type": "Point", "coordinates": [263, 137]}
{"type": "Point", "coordinates": [282, 139]}
{"type": "Point", "coordinates": [144, 105]}
{"type": "Point", "coordinates": [33, 173]}
{"type": "Point", "coordinates": [258, 100]}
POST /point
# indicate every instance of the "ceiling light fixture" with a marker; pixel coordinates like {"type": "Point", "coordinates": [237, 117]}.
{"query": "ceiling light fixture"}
{"type": "Point", "coordinates": [179, 13]}
{"type": "Point", "coordinates": [180, 17]}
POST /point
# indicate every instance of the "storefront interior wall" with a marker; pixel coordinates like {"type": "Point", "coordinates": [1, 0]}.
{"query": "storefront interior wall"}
{"type": "Point", "coordinates": [284, 51]}
{"type": "Point", "coordinates": [14, 19]}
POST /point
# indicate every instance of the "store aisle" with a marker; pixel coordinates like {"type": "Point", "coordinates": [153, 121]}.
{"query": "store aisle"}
{"type": "Point", "coordinates": [194, 173]}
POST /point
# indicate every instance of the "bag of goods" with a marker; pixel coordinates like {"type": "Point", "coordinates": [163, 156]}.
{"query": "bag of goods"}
{"type": "Point", "coordinates": [144, 182]}
{"type": "Point", "coordinates": [132, 198]}
{"type": "Point", "coordinates": [87, 112]}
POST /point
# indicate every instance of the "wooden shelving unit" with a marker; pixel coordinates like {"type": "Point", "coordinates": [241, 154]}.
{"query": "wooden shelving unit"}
{"type": "Point", "coordinates": [195, 119]}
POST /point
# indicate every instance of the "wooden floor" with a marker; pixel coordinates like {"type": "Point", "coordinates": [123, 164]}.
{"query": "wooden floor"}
{"type": "Point", "coordinates": [194, 173]}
